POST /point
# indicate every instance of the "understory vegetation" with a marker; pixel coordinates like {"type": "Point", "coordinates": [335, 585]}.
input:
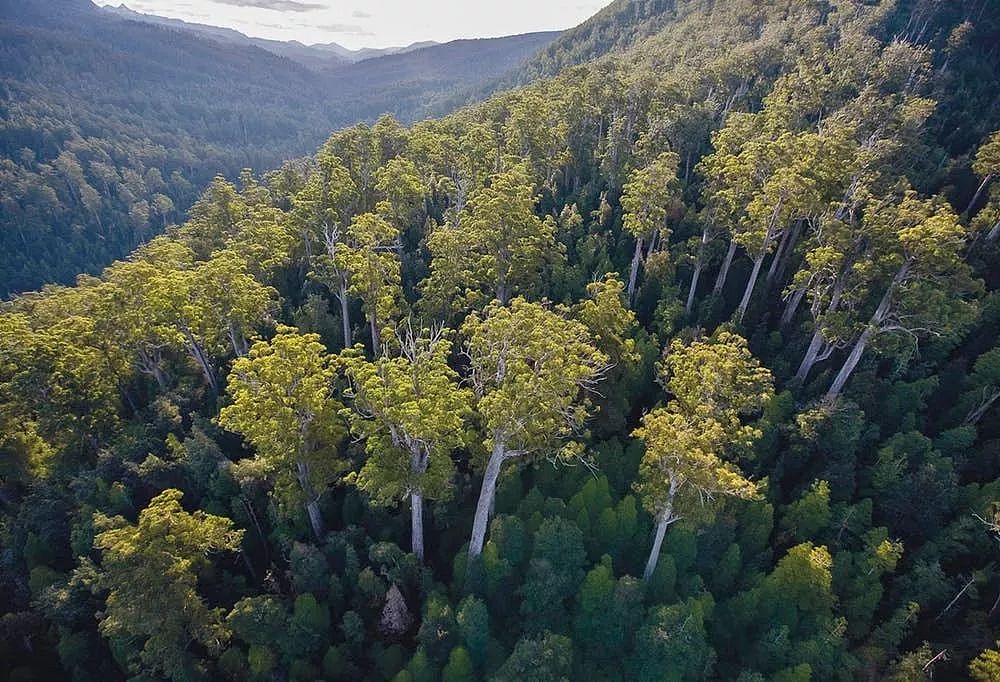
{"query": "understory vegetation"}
{"type": "Point", "coordinates": [680, 364]}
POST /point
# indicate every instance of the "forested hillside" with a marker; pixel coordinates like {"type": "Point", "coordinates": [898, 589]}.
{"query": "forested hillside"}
{"type": "Point", "coordinates": [681, 364]}
{"type": "Point", "coordinates": [110, 128]}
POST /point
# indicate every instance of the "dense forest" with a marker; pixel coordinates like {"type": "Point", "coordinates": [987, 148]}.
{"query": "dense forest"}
{"type": "Point", "coordinates": [680, 364]}
{"type": "Point", "coordinates": [111, 128]}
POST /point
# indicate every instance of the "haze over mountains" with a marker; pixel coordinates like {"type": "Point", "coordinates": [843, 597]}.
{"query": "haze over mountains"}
{"type": "Point", "coordinates": [679, 362]}
{"type": "Point", "coordinates": [317, 56]}
{"type": "Point", "coordinates": [110, 126]}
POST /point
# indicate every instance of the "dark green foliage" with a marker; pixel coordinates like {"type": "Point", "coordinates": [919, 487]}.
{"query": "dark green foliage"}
{"type": "Point", "coordinates": [554, 572]}
{"type": "Point", "coordinates": [869, 520]}
{"type": "Point", "coordinates": [547, 657]}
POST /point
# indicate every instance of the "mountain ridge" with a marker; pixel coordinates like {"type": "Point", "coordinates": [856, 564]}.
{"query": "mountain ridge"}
{"type": "Point", "coordinates": [316, 56]}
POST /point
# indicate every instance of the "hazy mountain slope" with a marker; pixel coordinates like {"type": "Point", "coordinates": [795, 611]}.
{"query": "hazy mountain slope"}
{"type": "Point", "coordinates": [109, 128]}
{"type": "Point", "coordinates": [422, 82]}
{"type": "Point", "coordinates": [318, 56]}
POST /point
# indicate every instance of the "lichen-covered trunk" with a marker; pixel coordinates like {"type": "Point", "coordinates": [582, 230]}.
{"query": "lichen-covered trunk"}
{"type": "Point", "coordinates": [486, 494]}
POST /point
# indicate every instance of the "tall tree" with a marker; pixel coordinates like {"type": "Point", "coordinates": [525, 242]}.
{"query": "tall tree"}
{"type": "Point", "coordinates": [649, 196]}
{"type": "Point", "coordinates": [282, 403]}
{"type": "Point", "coordinates": [411, 412]}
{"type": "Point", "coordinates": [715, 383]}
{"type": "Point", "coordinates": [151, 572]}
{"type": "Point", "coordinates": [495, 247]}
{"type": "Point", "coordinates": [922, 277]}
{"type": "Point", "coordinates": [529, 367]}
{"type": "Point", "coordinates": [321, 212]}
{"type": "Point", "coordinates": [370, 260]}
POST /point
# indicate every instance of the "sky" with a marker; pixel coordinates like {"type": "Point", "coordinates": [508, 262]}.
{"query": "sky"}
{"type": "Point", "coordinates": [376, 23]}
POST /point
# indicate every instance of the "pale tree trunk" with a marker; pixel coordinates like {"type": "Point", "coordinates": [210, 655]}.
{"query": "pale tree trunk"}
{"type": "Point", "coordinates": [758, 262]}
{"type": "Point", "coordinates": [653, 243]}
{"type": "Point", "coordinates": [994, 232]}
{"type": "Point", "coordinates": [148, 364]}
{"type": "Point", "coordinates": [778, 253]}
{"type": "Point", "coordinates": [486, 494]}
{"type": "Point", "coordinates": [751, 283]}
{"type": "Point", "coordinates": [633, 273]}
{"type": "Point", "coordinates": [501, 292]}
{"type": "Point", "coordinates": [198, 354]}
{"type": "Point", "coordinates": [311, 504]}
{"type": "Point", "coordinates": [817, 342]}
{"type": "Point", "coordinates": [809, 360]}
{"type": "Point", "coordinates": [417, 525]}
{"type": "Point", "coordinates": [418, 465]}
{"type": "Point", "coordinates": [696, 275]}
{"type": "Point", "coordinates": [792, 306]}
{"type": "Point", "coordinates": [665, 518]}
{"type": "Point", "coordinates": [976, 414]}
{"type": "Point", "coordinates": [376, 340]}
{"type": "Point", "coordinates": [238, 342]}
{"type": "Point", "coordinates": [979, 191]}
{"type": "Point", "coordinates": [866, 336]}
{"type": "Point", "coordinates": [720, 280]}
{"type": "Point", "coordinates": [777, 270]}
{"type": "Point", "coordinates": [345, 313]}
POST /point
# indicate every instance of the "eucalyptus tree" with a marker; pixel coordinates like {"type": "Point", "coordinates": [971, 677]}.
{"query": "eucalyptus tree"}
{"type": "Point", "coordinates": [651, 194]}
{"type": "Point", "coordinates": [920, 279]}
{"type": "Point", "coordinates": [715, 384]}
{"type": "Point", "coordinates": [282, 402]}
{"type": "Point", "coordinates": [370, 259]}
{"type": "Point", "coordinates": [411, 413]}
{"type": "Point", "coordinates": [150, 570]}
{"type": "Point", "coordinates": [494, 248]}
{"type": "Point", "coordinates": [529, 368]}
{"type": "Point", "coordinates": [321, 211]}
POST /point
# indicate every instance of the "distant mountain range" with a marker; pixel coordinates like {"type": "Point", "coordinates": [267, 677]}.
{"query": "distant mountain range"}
{"type": "Point", "coordinates": [318, 56]}
{"type": "Point", "coordinates": [105, 115]}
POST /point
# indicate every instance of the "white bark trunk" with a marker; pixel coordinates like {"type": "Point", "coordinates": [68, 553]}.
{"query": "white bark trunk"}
{"type": "Point", "coordinates": [809, 361]}
{"type": "Point", "coordinates": [697, 272]}
{"type": "Point", "coordinates": [376, 340]}
{"type": "Point", "coordinates": [633, 273]}
{"type": "Point", "coordinates": [417, 525]}
{"type": "Point", "coordinates": [975, 197]}
{"type": "Point", "coordinates": [345, 313]}
{"type": "Point", "coordinates": [866, 336]}
{"type": "Point", "coordinates": [198, 354]}
{"type": "Point", "coordinates": [486, 494]}
{"type": "Point", "coordinates": [792, 306]}
{"type": "Point", "coordinates": [751, 283]}
{"type": "Point", "coordinates": [665, 518]}
{"type": "Point", "coordinates": [727, 262]}
{"type": "Point", "coordinates": [311, 503]}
